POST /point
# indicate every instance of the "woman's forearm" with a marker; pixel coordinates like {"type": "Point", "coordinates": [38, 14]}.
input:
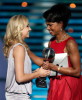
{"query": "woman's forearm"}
{"type": "Point", "coordinates": [37, 60]}
{"type": "Point", "coordinates": [66, 71]}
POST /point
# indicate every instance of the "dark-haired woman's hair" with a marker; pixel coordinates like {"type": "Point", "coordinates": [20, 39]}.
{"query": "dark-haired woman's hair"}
{"type": "Point", "coordinates": [57, 13]}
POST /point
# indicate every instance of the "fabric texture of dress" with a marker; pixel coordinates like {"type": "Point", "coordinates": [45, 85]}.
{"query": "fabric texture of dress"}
{"type": "Point", "coordinates": [63, 87]}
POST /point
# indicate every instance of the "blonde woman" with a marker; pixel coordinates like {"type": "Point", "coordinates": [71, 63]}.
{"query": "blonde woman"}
{"type": "Point", "coordinates": [19, 73]}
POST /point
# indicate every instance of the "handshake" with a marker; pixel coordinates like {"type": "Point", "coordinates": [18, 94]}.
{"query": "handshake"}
{"type": "Point", "coordinates": [48, 54]}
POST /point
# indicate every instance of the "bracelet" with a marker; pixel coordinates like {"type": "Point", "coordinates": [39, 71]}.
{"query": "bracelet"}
{"type": "Point", "coordinates": [59, 68]}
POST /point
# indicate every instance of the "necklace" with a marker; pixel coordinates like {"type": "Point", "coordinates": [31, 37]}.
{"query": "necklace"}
{"type": "Point", "coordinates": [58, 41]}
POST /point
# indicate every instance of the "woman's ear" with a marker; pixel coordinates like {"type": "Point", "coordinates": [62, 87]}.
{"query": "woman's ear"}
{"type": "Point", "coordinates": [61, 24]}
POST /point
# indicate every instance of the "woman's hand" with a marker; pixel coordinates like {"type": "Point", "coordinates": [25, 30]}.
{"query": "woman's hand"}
{"type": "Point", "coordinates": [46, 65]}
{"type": "Point", "coordinates": [43, 73]}
{"type": "Point", "coordinates": [36, 70]}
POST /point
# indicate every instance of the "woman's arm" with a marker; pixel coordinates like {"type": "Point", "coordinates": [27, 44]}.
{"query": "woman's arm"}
{"type": "Point", "coordinates": [37, 60]}
{"type": "Point", "coordinates": [19, 57]}
{"type": "Point", "coordinates": [73, 52]}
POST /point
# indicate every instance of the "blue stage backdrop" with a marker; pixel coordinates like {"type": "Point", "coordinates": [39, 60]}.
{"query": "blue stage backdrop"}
{"type": "Point", "coordinates": [39, 36]}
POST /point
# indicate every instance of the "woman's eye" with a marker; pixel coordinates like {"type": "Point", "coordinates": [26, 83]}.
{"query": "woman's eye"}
{"type": "Point", "coordinates": [27, 25]}
{"type": "Point", "coordinates": [49, 25]}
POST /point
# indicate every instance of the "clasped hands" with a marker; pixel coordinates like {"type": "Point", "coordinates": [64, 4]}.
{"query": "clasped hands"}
{"type": "Point", "coordinates": [46, 65]}
{"type": "Point", "coordinates": [44, 70]}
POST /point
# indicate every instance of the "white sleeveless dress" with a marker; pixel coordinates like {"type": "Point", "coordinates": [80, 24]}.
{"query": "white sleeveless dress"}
{"type": "Point", "coordinates": [15, 91]}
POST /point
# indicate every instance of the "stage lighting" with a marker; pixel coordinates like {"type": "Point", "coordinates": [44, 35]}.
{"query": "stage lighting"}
{"type": "Point", "coordinates": [70, 30]}
{"type": "Point", "coordinates": [45, 44]}
{"type": "Point", "coordinates": [72, 5]}
{"type": "Point", "coordinates": [24, 4]}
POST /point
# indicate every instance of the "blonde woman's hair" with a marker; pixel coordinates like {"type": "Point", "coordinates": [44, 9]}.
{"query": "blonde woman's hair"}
{"type": "Point", "coordinates": [13, 32]}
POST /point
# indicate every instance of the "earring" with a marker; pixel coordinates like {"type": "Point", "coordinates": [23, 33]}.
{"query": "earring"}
{"type": "Point", "coordinates": [61, 29]}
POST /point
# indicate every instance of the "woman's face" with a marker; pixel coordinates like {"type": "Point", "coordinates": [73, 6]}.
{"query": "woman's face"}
{"type": "Point", "coordinates": [54, 27]}
{"type": "Point", "coordinates": [25, 31]}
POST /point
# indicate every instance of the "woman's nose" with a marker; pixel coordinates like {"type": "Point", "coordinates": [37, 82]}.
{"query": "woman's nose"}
{"type": "Point", "coordinates": [30, 28]}
{"type": "Point", "coordinates": [48, 27]}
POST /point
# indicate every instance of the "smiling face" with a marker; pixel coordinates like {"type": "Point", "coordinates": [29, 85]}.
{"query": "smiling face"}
{"type": "Point", "coordinates": [54, 27]}
{"type": "Point", "coordinates": [25, 31]}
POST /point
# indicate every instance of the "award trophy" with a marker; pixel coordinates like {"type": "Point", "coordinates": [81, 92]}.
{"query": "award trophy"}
{"type": "Point", "coordinates": [48, 54]}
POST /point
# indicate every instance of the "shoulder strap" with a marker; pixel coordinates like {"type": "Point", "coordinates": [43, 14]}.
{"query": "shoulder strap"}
{"type": "Point", "coordinates": [11, 51]}
{"type": "Point", "coordinates": [17, 45]}
{"type": "Point", "coordinates": [70, 38]}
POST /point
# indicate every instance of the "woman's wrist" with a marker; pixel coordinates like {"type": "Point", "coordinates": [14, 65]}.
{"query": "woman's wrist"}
{"type": "Point", "coordinates": [36, 72]}
{"type": "Point", "coordinates": [52, 66]}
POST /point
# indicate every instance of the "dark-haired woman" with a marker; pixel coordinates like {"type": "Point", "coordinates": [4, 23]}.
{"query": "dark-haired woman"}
{"type": "Point", "coordinates": [66, 84]}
